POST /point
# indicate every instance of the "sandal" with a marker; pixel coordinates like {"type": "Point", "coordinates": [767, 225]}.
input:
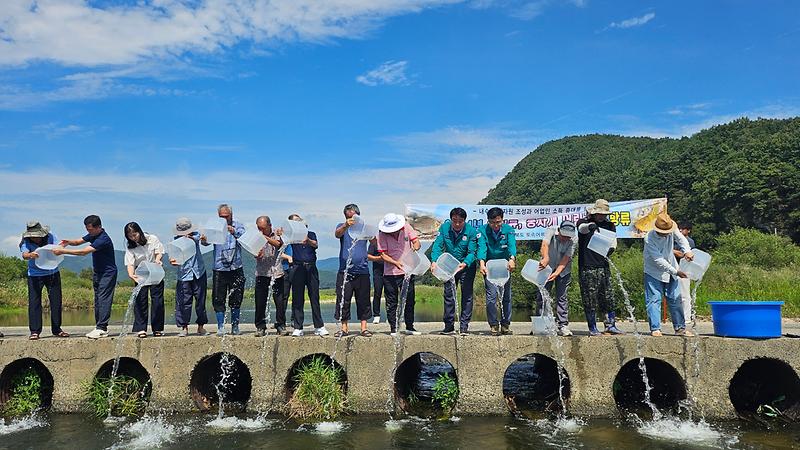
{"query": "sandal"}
{"type": "Point", "coordinates": [63, 334]}
{"type": "Point", "coordinates": [33, 336]}
{"type": "Point", "coordinates": [141, 334]}
{"type": "Point", "coordinates": [366, 333]}
{"type": "Point", "coordinates": [340, 333]}
{"type": "Point", "coordinates": [157, 334]}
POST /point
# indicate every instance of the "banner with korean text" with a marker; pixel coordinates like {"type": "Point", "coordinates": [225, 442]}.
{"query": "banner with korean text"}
{"type": "Point", "coordinates": [633, 218]}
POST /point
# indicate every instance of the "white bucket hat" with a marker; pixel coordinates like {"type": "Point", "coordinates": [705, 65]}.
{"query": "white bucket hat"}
{"type": "Point", "coordinates": [391, 222]}
{"type": "Point", "coordinates": [183, 227]}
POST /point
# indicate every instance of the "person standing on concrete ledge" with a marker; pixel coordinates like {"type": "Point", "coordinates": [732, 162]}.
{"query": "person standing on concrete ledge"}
{"type": "Point", "coordinates": [594, 271]}
{"type": "Point", "coordinates": [357, 282]}
{"type": "Point", "coordinates": [104, 270]}
{"type": "Point", "coordinates": [192, 282]}
{"type": "Point", "coordinates": [396, 237]}
{"type": "Point", "coordinates": [37, 235]}
{"type": "Point", "coordinates": [306, 276]}
{"type": "Point", "coordinates": [229, 279]}
{"type": "Point", "coordinates": [661, 274]}
{"type": "Point", "coordinates": [558, 246]}
{"type": "Point", "coordinates": [685, 283]}
{"type": "Point", "coordinates": [269, 271]}
{"type": "Point", "coordinates": [459, 239]}
{"type": "Point", "coordinates": [496, 240]}
{"type": "Point", "coordinates": [145, 247]}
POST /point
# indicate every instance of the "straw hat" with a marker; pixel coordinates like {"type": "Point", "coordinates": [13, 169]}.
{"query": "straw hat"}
{"type": "Point", "coordinates": [391, 222]}
{"type": "Point", "coordinates": [600, 207]}
{"type": "Point", "coordinates": [183, 227]}
{"type": "Point", "coordinates": [34, 229]}
{"type": "Point", "coordinates": [664, 223]}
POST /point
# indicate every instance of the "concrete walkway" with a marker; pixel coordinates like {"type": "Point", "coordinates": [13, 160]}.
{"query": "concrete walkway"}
{"type": "Point", "coordinates": [705, 328]}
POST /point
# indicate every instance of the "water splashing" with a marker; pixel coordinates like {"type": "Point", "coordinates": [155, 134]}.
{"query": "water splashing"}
{"type": "Point", "coordinates": [148, 432]}
{"type": "Point", "coordinates": [120, 344]}
{"type": "Point", "coordinates": [21, 424]}
{"type": "Point", "coordinates": [639, 341]}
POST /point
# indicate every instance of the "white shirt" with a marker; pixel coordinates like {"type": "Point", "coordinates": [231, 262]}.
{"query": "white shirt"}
{"type": "Point", "coordinates": [141, 253]}
{"type": "Point", "coordinates": [659, 261]}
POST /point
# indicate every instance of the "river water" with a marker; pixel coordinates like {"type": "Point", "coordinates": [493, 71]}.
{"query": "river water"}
{"type": "Point", "coordinates": [197, 431]}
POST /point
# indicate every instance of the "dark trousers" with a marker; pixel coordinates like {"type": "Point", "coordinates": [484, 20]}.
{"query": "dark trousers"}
{"type": "Point", "coordinates": [377, 291]}
{"type": "Point", "coordinates": [287, 283]}
{"type": "Point", "coordinates": [562, 303]}
{"type": "Point", "coordinates": [227, 285]}
{"type": "Point", "coordinates": [103, 285]}
{"type": "Point", "coordinates": [305, 277]}
{"type": "Point", "coordinates": [262, 297]}
{"type": "Point", "coordinates": [156, 293]}
{"type": "Point", "coordinates": [53, 285]}
{"type": "Point", "coordinates": [392, 285]}
{"type": "Point", "coordinates": [357, 283]}
{"type": "Point", "coordinates": [465, 278]}
{"type": "Point", "coordinates": [185, 291]}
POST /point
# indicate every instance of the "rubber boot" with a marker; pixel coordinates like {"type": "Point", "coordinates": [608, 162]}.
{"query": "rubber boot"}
{"type": "Point", "coordinates": [235, 320]}
{"type": "Point", "coordinates": [591, 322]}
{"type": "Point", "coordinates": [220, 324]}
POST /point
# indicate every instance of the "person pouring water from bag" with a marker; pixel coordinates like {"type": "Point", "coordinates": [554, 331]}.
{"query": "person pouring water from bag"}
{"type": "Point", "coordinates": [497, 240]}
{"type": "Point", "coordinates": [145, 247]}
{"type": "Point", "coordinates": [191, 283]}
{"type": "Point", "coordinates": [661, 274]}
{"type": "Point", "coordinates": [594, 271]}
{"type": "Point", "coordinates": [229, 279]}
{"type": "Point", "coordinates": [37, 235]}
{"type": "Point", "coordinates": [558, 246]}
{"type": "Point", "coordinates": [459, 239]}
{"type": "Point", "coordinates": [104, 270]}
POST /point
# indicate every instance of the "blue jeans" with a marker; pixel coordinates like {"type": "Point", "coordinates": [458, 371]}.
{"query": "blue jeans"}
{"type": "Point", "coordinates": [654, 290]}
{"type": "Point", "coordinates": [491, 303]}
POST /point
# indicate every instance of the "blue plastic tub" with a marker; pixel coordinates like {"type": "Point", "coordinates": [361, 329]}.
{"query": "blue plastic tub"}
{"type": "Point", "coordinates": [747, 319]}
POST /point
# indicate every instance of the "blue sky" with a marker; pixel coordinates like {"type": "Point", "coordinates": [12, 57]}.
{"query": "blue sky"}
{"type": "Point", "coordinates": [150, 110]}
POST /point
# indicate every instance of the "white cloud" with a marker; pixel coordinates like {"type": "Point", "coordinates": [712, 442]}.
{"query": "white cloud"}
{"type": "Point", "coordinates": [388, 73]}
{"type": "Point", "coordinates": [524, 9]}
{"type": "Point", "coordinates": [633, 21]}
{"type": "Point", "coordinates": [455, 164]}
{"type": "Point", "coordinates": [77, 32]}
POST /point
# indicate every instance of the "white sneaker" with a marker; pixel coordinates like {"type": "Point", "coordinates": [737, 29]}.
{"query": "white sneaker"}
{"type": "Point", "coordinates": [297, 333]}
{"type": "Point", "coordinates": [97, 334]}
{"type": "Point", "coordinates": [322, 331]}
{"type": "Point", "coordinates": [376, 319]}
{"type": "Point", "coordinates": [564, 331]}
{"type": "Point", "coordinates": [393, 334]}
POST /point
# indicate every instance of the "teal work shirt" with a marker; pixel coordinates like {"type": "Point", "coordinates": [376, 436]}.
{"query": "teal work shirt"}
{"type": "Point", "coordinates": [463, 246]}
{"type": "Point", "coordinates": [503, 246]}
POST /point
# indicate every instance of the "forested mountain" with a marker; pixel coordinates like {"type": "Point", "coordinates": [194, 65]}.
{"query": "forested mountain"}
{"type": "Point", "coordinates": [745, 173]}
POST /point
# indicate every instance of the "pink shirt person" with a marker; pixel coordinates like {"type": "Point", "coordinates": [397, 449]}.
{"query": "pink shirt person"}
{"type": "Point", "coordinates": [395, 246]}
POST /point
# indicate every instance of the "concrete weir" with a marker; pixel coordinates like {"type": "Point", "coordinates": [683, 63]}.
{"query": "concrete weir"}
{"type": "Point", "coordinates": [180, 369]}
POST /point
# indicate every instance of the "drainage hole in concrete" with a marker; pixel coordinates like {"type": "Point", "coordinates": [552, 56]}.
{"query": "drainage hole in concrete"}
{"type": "Point", "coordinates": [221, 375]}
{"type": "Point", "coordinates": [531, 386]}
{"type": "Point", "coordinates": [767, 391]}
{"type": "Point", "coordinates": [426, 385]}
{"type": "Point", "coordinates": [667, 388]}
{"type": "Point", "coordinates": [25, 385]}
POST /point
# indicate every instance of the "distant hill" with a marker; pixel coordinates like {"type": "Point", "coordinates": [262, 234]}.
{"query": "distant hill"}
{"type": "Point", "coordinates": [745, 173]}
{"type": "Point", "coordinates": [327, 268]}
